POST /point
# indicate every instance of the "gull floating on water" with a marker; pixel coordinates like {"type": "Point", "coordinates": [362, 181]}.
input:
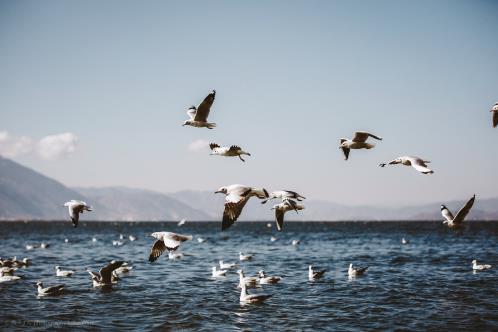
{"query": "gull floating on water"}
{"type": "Point", "coordinates": [76, 207]}
{"type": "Point", "coordinates": [218, 273]}
{"type": "Point", "coordinates": [201, 240]}
{"type": "Point", "coordinates": [295, 242]}
{"type": "Point", "coordinates": [265, 280]}
{"type": "Point", "coordinates": [282, 208]}
{"type": "Point", "coordinates": [166, 241]}
{"type": "Point", "coordinates": [198, 115]}
{"type": "Point", "coordinates": [494, 110]}
{"type": "Point", "coordinates": [315, 275]}
{"type": "Point", "coordinates": [236, 198]}
{"type": "Point", "coordinates": [94, 239]}
{"type": "Point", "coordinates": [7, 271]}
{"type": "Point", "coordinates": [359, 141]}
{"type": "Point", "coordinates": [46, 291]}
{"type": "Point", "coordinates": [243, 257]}
{"type": "Point", "coordinates": [418, 163]}
{"type": "Point", "coordinates": [182, 222]}
{"type": "Point", "coordinates": [132, 238]}
{"type": "Point", "coordinates": [8, 275]}
{"type": "Point", "coordinates": [284, 195]}
{"type": "Point", "coordinates": [104, 277]}
{"type": "Point", "coordinates": [457, 221]}
{"type": "Point", "coordinates": [225, 151]}
{"type": "Point", "coordinates": [247, 281]}
{"type": "Point", "coordinates": [44, 245]}
{"type": "Point", "coordinates": [247, 298]}
{"type": "Point", "coordinates": [480, 267]}
{"type": "Point", "coordinates": [226, 266]}
{"type": "Point", "coordinates": [117, 243]}
{"type": "Point", "coordinates": [63, 273]}
{"type": "Point", "coordinates": [356, 271]}
{"type": "Point", "coordinates": [269, 225]}
{"type": "Point", "coordinates": [404, 241]}
{"type": "Point", "coordinates": [273, 239]}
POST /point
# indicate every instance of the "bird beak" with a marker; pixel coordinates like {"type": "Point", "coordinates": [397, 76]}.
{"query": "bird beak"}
{"type": "Point", "coordinates": [217, 191]}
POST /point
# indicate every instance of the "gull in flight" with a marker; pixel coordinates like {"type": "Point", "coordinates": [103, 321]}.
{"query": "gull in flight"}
{"type": "Point", "coordinates": [243, 257]}
{"type": "Point", "coordinates": [198, 116]}
{"type": "Point", "coordinates": [284, 195]}
{"type": "Point", "coordinates": [246, 298]}
{"type": "Point", "coordinates": [418, 163]}
{"type": "Point", "coordinates": [457, 221]}
{"type": "Point", "coordinates": [105, 275]}
{"type": "Point", "coordinates": [356, 271]}
{"type": "Point", "coordinates": [315, 275]}
{"type": "Point", "coordinates": [480, 267]}
{"type": "Point", "coordinates": [494, 110]}
{"type": "Point", "coordinates": [226, 266]}
{"type": "Point", "coordinates": [166, 241]}
{"type": "Point", "coordinates": [63, 273]}
{"type": "Point", "coordinates": [218, 273]}
{"type": "Point", "coordinates": [182, 222]}
{"type": "Point", "coordinates": [52, 290]}
{"type": "Point", "coordinates": [75, 208]}
{"type": "Point", "coordinates": [236, 198]}
{"type": "Point", "coordinates": [267, 280]}
{"type": "Point", "coordinates": [359, 141]}
{"type": "Point", "coordinates": [225, 151]}
{"type": "Point", "coordinates": [280, 209]}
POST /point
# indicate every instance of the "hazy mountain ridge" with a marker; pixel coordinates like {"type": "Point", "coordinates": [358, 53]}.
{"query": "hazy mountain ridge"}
{"type": "Point", "coordinates": [27, 194]}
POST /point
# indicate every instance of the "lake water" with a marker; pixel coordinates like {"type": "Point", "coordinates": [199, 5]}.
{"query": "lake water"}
{"type": "Point", "coordinates": [426, 284]}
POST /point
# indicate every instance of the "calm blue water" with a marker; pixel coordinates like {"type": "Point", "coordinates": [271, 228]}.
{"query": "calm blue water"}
{"type": "Point", "coordinates": [427, 284]}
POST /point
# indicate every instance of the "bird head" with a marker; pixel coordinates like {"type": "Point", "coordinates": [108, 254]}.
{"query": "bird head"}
{"type": "Point", "coordinates": [156, 235]}
{"type": "Point", "coordinates": [39, 284]}
{"type": "Point", "coordinates": [222, 190]}
{"type": "Point", "coordinates": [474, 262]}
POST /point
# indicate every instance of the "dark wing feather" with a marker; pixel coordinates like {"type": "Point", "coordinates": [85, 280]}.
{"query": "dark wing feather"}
{"type": "Point", "coordinates": [279, 218]}
{"type": "Point", "coordinates": [346, 153]}
{"type": "Point", "coordinates": [495, 119]}
{"type": "Point", "coordinates": [232, 212]}
{"type": "Point", "coordinates": [157, 249]}
{"type": "Point", "coordinates": [106, 271]}
{"type": "Point", "coordinates": [460, 216]}
{"type": "Point", "coordinates": [213, 145]}
{"type": "Point", "coordinates": [53, 289]}
{"type": "Point", "coordinates": [234, 148]}
{"type": "Point", "coordinates": [204, 108]}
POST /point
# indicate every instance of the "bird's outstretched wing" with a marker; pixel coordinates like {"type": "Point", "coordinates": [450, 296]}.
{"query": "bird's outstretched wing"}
{"type": "Point", "coordinates": [446, 213]}
{"type": "Point", "coordinates": [232, 211]}
{"type": "Point", "coordinates": [172, 240]}
{"type": "Point", "coordinates": [234, 148]}
{"type": "Point", "coordinates": [157, 249]}
{"type": "Point", "coordinates": [213, 146]}
{"type": "Point", "coordinates": [420, 165]}
{"type": "Point", "coordinates": [192, 112]}
{"type": "Point", "coordinates": [106, 271]}
{"type": "Point", "coordinates": [204, 107]}
{"type": "Point", "coordinates": [279, 218]}
{"type": "Point", "coordinates": [362, 136]}
{"type": "Point", "coordinates": [460, 216]}
{"type": "Point", "coordinates": [495, 119]}
{"type": "Point", "coordinates": [346, 153]}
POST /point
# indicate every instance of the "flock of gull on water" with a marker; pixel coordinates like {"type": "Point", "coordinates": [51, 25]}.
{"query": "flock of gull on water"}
{"type": "Point", "coordinates": [236, 197]}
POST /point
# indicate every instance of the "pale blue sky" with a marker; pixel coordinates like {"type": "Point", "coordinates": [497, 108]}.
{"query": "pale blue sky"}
{"type": "Point", "coordinates": [292, 77]}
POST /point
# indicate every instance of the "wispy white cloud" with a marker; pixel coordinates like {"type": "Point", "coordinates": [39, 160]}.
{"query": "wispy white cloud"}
{"type": "Point", "coordinates": [198, 145]}
{"type": "Point", "coordinates": [49, 147]}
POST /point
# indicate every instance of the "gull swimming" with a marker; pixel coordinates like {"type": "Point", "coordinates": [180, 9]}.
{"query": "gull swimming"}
{"type": "Point", "coordinates": [457, 221]}
{"type": "Point", "coordinates": [418, 163]}
{"type": "Point", "coordinates": [246, 281]}
{"type": "Point", "coordinates": [117, 243]}
{"type": "Point", "coordinates": [267, 280]}
{"type": "Point", "coordinates": [218, 273]}
{"type": "Point", "coordinates": [236, 198]}
{"type": "Point", "coordinates": [7, 271]}
{"type": "Point", "coordinates": [51, 290]}
{"type": "Point", "coordinates": [76, 207]}
{"type": "Point", "coordinates": [247, 298]}
{"type": "Point", "coordinates": [8, 276]}
{"type": "Point", "coordinates": [480, 267]}
{"type": "Point", "coordinates": [201, 240]}
{"type": "Point", "coordinates": [243, 257]}
{"type": "Point", "coordinates": [494, 110]}
{"type": "Point", "coordinates": [225, 151]}
{"type": "Point", "coordinates": [63, 273]}
{"type": "Point", "coordinates": [132, 238]}
{"type": "Point", "coordinates": [315, 275]}
{"type": "Point", "coordinates": [226, 266]}
{"type": "Point", "coordinates": [356, 271]}
{"type": "Point", "coordinates": [284, 195]}
{"type": "Point", "coordinates": [404, 241]}
{"type": "Point", "coordinates": [198, 116]}
{"type": "Point", "coordinates": [44, 245]}
{"type": "Point", "coordinates": [273, 239]}
{"type": "Point", "coordinates": [359, 141]}
{"type": "Point", "coordinates": [182, 222]}
{"type": "Point", "coordinates": [295, 242]}
{"type": "Point", "coordinates": [282, 208]}
{"type": "Point", "coordinates": [104, 276]}
{"type": "Point", "coordinates": [166, 241]}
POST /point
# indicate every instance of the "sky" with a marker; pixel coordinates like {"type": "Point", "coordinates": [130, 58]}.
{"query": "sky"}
{"type": "Point", "coordinates": [93, 93]}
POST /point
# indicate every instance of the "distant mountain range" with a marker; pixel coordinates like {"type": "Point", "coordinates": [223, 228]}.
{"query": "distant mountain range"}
{"type": "Point", "coordinates": [27, 194]}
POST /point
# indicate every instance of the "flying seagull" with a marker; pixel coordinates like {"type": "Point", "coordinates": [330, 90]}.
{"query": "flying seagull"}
{"type": "Point", "coordinates": [52, 290]}
{"type": "Point", "coordinates": [418, 163]}
{"type": "Point", "coordinates": [75, 208]}
{"type": "Point", "coordinates": [356, 271]}
{"type": "Point", "coordinates": [283, 195]}
{"type": "Point", "coordinates": [494, 110]}
{"type": "Point", "coordinates": [236, 198]}
{"type": "Point", "coordinates": [457, 221]}
{"type": "Point", "coordinates": [104, 277]}
{"type": "Point", "coordinates": [225, 151]}
{"type": "Point", "coordinates": [166, 241]}
{"type": "Point", "coordinates": [359, 141]}
{"type": "Point", "coordinates": [280, 209]}
{"type": "Point", "coordinates": [314, 275]}
{"type": "Point", "coordinates": [198, 116]}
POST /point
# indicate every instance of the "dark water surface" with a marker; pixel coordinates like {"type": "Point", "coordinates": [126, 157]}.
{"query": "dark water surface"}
{"type": "Point", "coordinates": [426, 284]}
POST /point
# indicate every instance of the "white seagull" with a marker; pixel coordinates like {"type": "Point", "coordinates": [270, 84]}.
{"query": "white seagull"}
{"type": "Point", "coordinates": [457, 221]}
{"type": "Point", "coordinates": [104, 277]}
{"type": "Point", "coordinates": [494, 110]}
{"type": "Point", "coordinates": [198, 116]}
{"type": "Point", "coordinates": [480, 267]}
{"type": "Point", "coordinates": [359, 141]}
{"type": "Point", "coordinates": [280, 209]}
{"type": "Point", "coordinates": [267, 280]}
{"type": "Point", "coordinates": [284, 195]}
{"type": "Point", "coordinates": [52, 290]}
{"type": "Point", "coordinates": [418, 163]}
{"type": "Point", "coordinates": [76, 207]}
{"type": "Point", "coordinates": [273, 239]}
{"type": "Point", "coordinates": [7, 271]}
{"type": "Point", "coordinates": [226, 266]}
{"type": "Point", "coordinates": [201, 240]}
{"type": "Point", "coordinates": [124, 268]}
{"type": "Point", "coordinates": [247, 298]}
{"type": "Point", "coordinates": [236, 198]}
{"type": "Point", "coordinates": [218, 273]}
{"type": "Point", "coordinates": [247, 281]}
{"type": "Point", "coordinates": [315, 275]}
{"type": "Point", "coordinates": [356, 271]}
{"type": "Point", "coordinates": [295, 242]}
{"type": "Point", "coordinates": [225, 151]}
{"type": "Point", "coordinates": [166, 241]}
{"type": "Point", "coordinates": [244, 257]}
{"type": "Point", "coordinates": [132, 238]}
{"type": "Point", "coordinates": [7, 276]}
{"type": "Point", "coordinates": [63, 273]}
{"type": "Point", "coordinates": [404, 241]}
{"type": "Point", "coordinates": [182, 222]}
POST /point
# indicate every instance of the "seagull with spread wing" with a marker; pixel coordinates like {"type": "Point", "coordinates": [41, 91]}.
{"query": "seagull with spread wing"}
{"type": "Point", "coordinates": [76, 207]}
{"type": "Point", "coordinates": [457, 221]}
{"type": "Point", "coordinates": [494, 110]}
{"type": "Point", "coordinates": [236, 198]}
{"type": "Point", "coordinates": [280, 209]}
{"type": "Point", "coordinates": [284, 195]}
{"type": "Point", "coordinates": [104, 276]}
{"type": "Point", "coordinates": [166, 241]}
{"type": "Point", "coordinates": [225, 151]}
{"type": "Point", "coordinates": [198, 115]}
{"type": "Point", "coordinates": [359, 141]}
{"type": "Point", "coordinates": [418, 163]}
